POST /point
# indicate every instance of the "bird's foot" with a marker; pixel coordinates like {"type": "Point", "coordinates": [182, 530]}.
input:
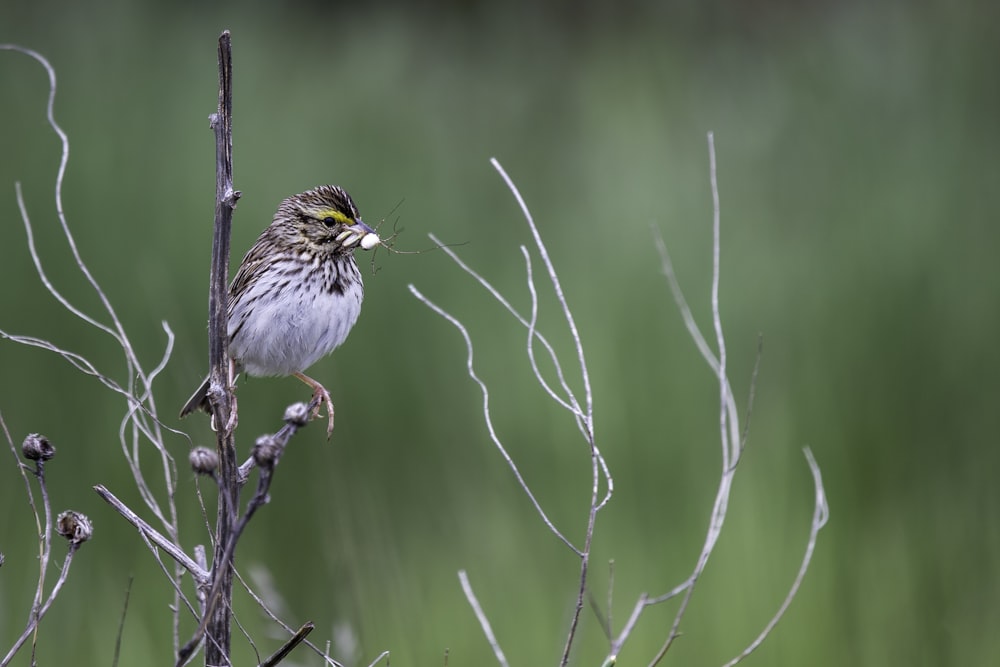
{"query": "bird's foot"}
{"type": "Point", "coordinates": [324, 398]}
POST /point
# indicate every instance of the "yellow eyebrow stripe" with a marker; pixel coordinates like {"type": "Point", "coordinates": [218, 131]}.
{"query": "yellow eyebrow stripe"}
{"type": "Point", "coordinates": [324, 213]}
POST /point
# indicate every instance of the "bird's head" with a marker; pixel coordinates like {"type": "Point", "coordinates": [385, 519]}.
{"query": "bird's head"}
{"type": "Point", "coordinates": [328, 219]}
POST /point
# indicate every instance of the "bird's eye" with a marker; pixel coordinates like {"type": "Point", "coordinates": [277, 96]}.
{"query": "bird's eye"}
{"type": "Point", "coordinates": [329, 221]}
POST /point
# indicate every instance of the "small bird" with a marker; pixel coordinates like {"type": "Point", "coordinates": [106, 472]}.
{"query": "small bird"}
{"type": "Point", "coordinates": [298, 291]}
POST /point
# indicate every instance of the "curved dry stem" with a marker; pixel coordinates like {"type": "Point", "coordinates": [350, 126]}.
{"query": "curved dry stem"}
{"type": "Point", "coordinates": [598, 463]}
{"type": "Point", "coordinates": [729, 432]}
{"type": "Point", "coordinates": [557, 287]}
{"type": "Point", "coordinates": [569, 403]}
{"type": "Point", "coordinates": [583, 415]}
{"type": "Point", "coordinates": [487, 415]}
{"type": "Point", "coordinates": [821, 514]}
{"type": "Point", "coordinates": [141, 410]}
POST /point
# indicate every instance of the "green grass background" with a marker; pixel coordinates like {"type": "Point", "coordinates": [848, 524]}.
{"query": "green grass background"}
{"type": "Point", "coordinates": [857, 156]}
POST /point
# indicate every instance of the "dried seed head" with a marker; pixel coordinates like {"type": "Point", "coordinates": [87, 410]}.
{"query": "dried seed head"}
{"type": "Point", "coordinates": [37, 448]}
{"type": "Point", "coordinates": [297, 414]}
{"type": "Point", "coordinates": [203, 460]}
{"type": "Point", "coordinates": [74, 526]}
{"type": "Point", "coordinates": [266, 451]}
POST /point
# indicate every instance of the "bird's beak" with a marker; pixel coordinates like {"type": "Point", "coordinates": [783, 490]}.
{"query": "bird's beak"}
{"type": "Point", "coordinates": [359, 233]}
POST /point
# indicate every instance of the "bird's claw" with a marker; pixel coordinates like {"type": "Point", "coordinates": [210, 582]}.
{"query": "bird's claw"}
{"type": "Point", "coordinates": [324, 398]}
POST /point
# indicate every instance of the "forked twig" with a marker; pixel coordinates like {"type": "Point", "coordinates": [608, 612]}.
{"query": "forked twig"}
{"type": "Point", "coordinates": [266, 454]}
{"type": "Point", "coordinates": [731, 439]}
{"type": "Point", "coordinates": [732, 442]}
{"type": "Point", "coordinates": [564, 398]}
{"type": "Point", "coordinates": [470, 370]}
{"type": "Point", "coordinates": [140, 422]}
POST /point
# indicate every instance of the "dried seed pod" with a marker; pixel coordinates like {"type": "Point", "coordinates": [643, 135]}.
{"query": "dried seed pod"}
{"type": "Point", "coordinates": [37, 448]}
{"type": "Point", "coordinates": [266, 451]}
{"type": "Point", "coordinates": [297, 414]}
{"type": "Point", "coordinates": [203, 460]}
{"type": "Point", "coordinates": [74, 526]}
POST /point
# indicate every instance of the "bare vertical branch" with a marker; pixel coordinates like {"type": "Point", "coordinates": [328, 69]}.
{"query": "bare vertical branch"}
{"type": "Point", "coordinates": [218, 626]}
{"type": "Point", "coordinates": [140, 421]}
{"type": "Point", "coordinates": [72, 525]}
{"type": "Point", "coordinates": [225, 202]}
{"type": "Point", "coordinates": [729, 433]}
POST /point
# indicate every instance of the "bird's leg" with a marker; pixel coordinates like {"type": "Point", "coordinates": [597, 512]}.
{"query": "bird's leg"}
{"type": "Point", "coordinates": [320, 392]}
{"type": "Point", "coordinates": [233, 413]}
{"type": "Point", "coordinates": [233, 374]}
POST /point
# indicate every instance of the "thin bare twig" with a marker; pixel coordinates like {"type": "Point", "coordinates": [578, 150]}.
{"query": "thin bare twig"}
{"type": "Point", "coordinates": [821, 514]}
{"type": "Point", "coordinates": [45, 548]}
{"type": "Point", "coordinates": [140, 422]}
{"type": "Point", "coordinates": [569, 403]}
{"type": "Point", "coordinates": [557, 287]}
{"type": "Point", "coordinates": [470, 370]}
{"type": "Point", "coordinates": [121, 624]}
{"type": "Point", "coordinates": [289, 646]}
{"type": "Point", "coordinates": [44, 537]}
{"type": "Point", "coordinates": [141, 402]}
{"type": "Point", "coordinates": [598, 464]}
{"type": "Point", "coordinates": [565, 399]}
{"type": "Point", "coordinates": [148, 532]}
{"type": "Point", "coordinates": [287, 628]}
{"type": "Point", "coordinates": [731, 439]}
{"type": "Point", "coordinates": [266, 455]}
{"type": "Point", "coordinates": [37, 615]}
{"type": "Point", "coordinates": [729, 432]}
{"type": "Point", "coordinates": [484, 622]}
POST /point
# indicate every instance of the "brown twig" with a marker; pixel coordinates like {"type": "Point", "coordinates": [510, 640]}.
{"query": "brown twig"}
{"type": "Point", "coordinates": [289, 646]}
{"type": "Point", "coordinates": [220, 391]}
{"type": "Point", "coordinates": [216, 623]}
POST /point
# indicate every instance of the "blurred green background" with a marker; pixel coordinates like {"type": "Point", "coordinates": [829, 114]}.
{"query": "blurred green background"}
{"type": "Point", "coordinates": [857, 151]}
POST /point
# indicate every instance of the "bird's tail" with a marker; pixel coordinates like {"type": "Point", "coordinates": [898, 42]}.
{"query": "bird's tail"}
{"type": "Point", "coordinates": [198, 400]}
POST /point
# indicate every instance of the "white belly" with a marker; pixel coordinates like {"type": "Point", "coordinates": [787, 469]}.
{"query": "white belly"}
{"type": "Point", "coordinates": [289, 331]}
